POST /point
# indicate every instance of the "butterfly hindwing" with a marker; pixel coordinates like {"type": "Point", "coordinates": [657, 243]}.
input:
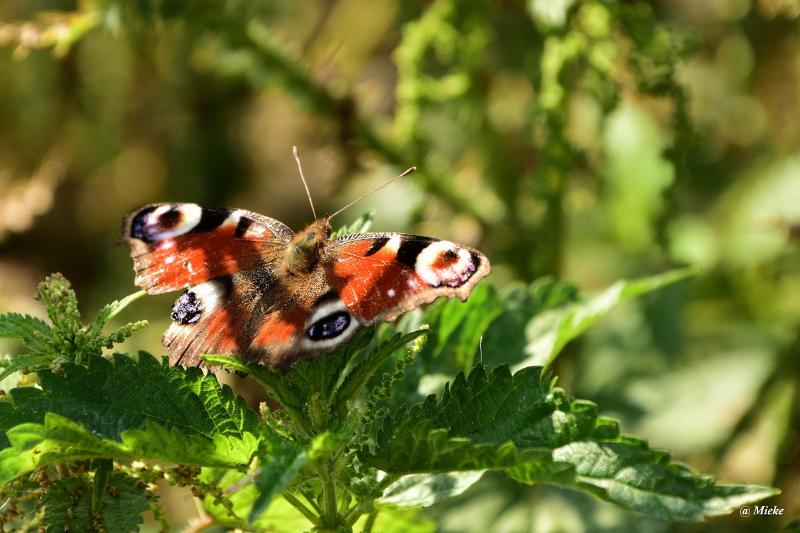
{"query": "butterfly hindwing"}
{"type": "Point", "coordinates": [175, 246]}
{"type": "Point", "coordinates": [381, 275]}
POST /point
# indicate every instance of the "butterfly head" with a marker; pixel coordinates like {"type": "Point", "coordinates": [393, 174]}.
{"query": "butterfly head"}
{"type": "Point", "coordinates": [306, 247]}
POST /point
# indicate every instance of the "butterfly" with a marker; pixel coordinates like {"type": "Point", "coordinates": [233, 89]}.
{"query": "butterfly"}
{"type": "Point", "coordinates": [252, 286]}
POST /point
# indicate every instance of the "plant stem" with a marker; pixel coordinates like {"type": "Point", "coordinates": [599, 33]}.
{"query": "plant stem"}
{"type": "Point", "coordinates": [311, 500]}
{"type": "Point", "coordinates": [370, 521]}
{"type": "Point", "coordinates": [345, 503]}
{"type": "Point", "coordinates": [297, 504]}
{"type": "Point", "coordinates": [330, 515]}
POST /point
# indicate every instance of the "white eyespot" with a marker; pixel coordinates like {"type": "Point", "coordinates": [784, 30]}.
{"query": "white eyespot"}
{"type": "Point", "coordinates": [177, 220]}
{"type": "Point", "coordinates": [444, 263]}
{"type": "Point", "coordinates": [329, 325]}
{"type": "Point", "coordinates": [391, 293]}
{"type": "Point", "coordinates": [169, 260]}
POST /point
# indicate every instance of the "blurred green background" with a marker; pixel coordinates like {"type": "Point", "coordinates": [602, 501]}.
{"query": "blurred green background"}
{"type": "Point", "coordinates": [586, 141]}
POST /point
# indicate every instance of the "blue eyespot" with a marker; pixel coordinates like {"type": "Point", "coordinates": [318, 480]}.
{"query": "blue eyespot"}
{"type": "Point", "coordinates": [329, 326]}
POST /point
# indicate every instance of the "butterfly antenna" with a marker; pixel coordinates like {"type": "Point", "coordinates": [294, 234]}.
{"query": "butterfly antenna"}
{"type": "Point", "coordinates": [405, 173]}
{"type": "Point", "coordinates": [303, 179]}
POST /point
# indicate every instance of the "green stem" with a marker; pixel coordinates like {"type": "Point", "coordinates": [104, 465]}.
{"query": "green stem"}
{"type": "Point", "coordinates": [297, 504]}
{"type": "Point", "coordinates": [311, 500]}
{"type": "Point", "coordinates": [344, 504]}
{"type": "Point", "coordinates": [330, 515]}
{"type": "Point", "coordinates": [370, 521]}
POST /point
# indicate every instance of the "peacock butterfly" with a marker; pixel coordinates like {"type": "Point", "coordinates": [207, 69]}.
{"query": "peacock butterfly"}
{"type": "Point", "coordinates": [253, 287]}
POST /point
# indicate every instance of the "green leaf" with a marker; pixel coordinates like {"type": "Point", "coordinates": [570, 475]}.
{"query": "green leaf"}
{"type": "Point", "coordinates": [59, 439]}
{"type": "Point", "coordinates": [10, 416]}
{"type": "Point", "coordinates": [110, 397]}
{"type": "Point", "coordinates": [280, 516]}
{"type": "Point", "coordinates": [33, 332]}
{"type": "Point", "coordinates": [272, 380]}
{"type": "Point", "coordinates": [478, 422]}
{"type": "Point", "coordinates": [399, 520]}
{"type": "Point", "coordinates": [124, 503]}
{"type": "Point", "coordinates": [360, 225]}
{"type": "Point", "coordinates": [68, 505]}
{"type": "Point", "coordinates": [27, 362]}
{"type": "Point", "coordinates": [629, 474]}
{"type": "Point", "coordinates": [548, 333]}
{"type": "Point", "coordinates": [279, 466]}
{"type": "Point", "coordinates": [428, 489]}
{"type": "Point", "coordinates": [317, 389]}
{"type": "Point", "coordinates": [502, 342]}
{"type": "Point", "coordinates": [127, 408]}
{"type": "Point", "coordinates": [457, 327]}
{"type": "Point", "coordinates": [530, 430]}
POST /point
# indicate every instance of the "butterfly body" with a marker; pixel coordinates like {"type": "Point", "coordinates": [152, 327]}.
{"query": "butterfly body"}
{"type": "Point", "coordinates": [253, 287]}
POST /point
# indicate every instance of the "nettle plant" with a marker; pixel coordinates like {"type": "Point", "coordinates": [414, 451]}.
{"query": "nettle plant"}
{"type": "Point", "coordinates": [346, 441]}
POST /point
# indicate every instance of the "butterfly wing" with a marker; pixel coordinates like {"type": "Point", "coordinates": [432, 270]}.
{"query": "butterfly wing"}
{"type": "Point", "coordinates": [225, 258]}
{"type": "Point", "coordinates": [175, 246]}
{"type": "Point", "coordinates": [378, 276]}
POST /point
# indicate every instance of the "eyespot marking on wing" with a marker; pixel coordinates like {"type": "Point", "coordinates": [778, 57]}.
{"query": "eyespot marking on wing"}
{"type": "Point", "coordinates": [329, 325]}
{"type": "Point", "coordinates": [159, 222]}
{"type": "Point", "coordinates": [200, 300]}
{"type": "Point", "coordinates": [443, 263]}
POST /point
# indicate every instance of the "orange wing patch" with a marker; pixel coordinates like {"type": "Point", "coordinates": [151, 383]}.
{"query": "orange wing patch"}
{"type": "Point", "coordinates": [379, 276]}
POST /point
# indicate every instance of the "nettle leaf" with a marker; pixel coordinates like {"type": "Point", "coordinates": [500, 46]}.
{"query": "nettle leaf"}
{"type": "Point", "coordinates": [485, 328]}
{"type": "Point", "coordinates": [59, 439]}
{"type": "Point", "coordinates": [68, 505]}
{"type": "Point", "coordinates": [457, 327]}
{"type": "Point", "coordinates": [110, 397]}
{"type": "Point", "coordinates": [316, 390]}
{"type": "Point", "coordinates": [33, 332]}
{"type": "Point", "coordinates": [628, 473]}
{"type": "Point", "coordinates": [141, 409]}
{"type": "Point", "coordinates": [491, 421]}
{"type": "Point", "coordinates": [549, 332]}
{"type": "Point", "coordinates": [428, 489]}
{"type": "Point", "coordinates": [522, 303]}
{"type": "Point", "coordinates": [25, 362]}
{"type": "Point", "coordinates": [124, 502]}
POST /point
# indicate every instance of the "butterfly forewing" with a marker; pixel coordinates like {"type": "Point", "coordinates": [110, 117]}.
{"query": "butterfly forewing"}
{"type": "Point", "coordinates": [381, 275]}
{"type": "Point", "coordinates": [175, 246]}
